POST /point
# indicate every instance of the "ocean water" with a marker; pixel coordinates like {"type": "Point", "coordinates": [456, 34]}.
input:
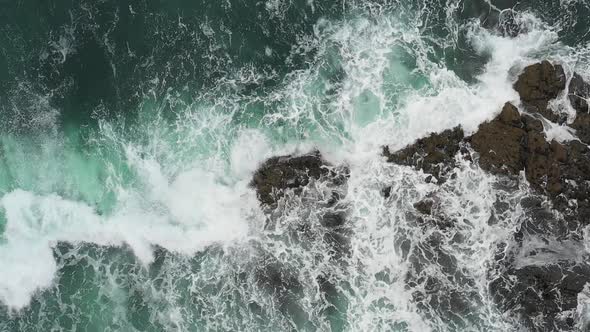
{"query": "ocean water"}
{"type": "Point", "coordinates": [130, 131]}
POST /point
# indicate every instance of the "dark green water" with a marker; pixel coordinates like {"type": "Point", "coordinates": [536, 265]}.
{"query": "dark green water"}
{"type": "Point", "coordinates": [129, 131]}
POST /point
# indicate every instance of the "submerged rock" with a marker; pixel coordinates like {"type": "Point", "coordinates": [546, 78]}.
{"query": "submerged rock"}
{"type": "Point", "coordinates": [424, 206]}
{"type": "Point", "coordinates": [509, 25]}
{"type": "Point", "coordinates": [538, 276]}
{"type": "Point", "coordinates": [544, 297]}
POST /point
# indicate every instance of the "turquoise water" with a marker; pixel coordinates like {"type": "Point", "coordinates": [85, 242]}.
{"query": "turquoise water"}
{"type": "Point", "coordinates": [131, 129]}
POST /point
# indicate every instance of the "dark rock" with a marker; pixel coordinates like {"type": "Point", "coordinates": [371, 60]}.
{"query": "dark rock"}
{"type": "Point", "coordinates": [434, 154]}
{"type": "Point", "coordinates": [424, 206]}
{"type": "Point", "coordinates": [278, 174]}
{"type": "Point", "coordinates": [509, 144]}
{"type": "Point", "coordinates": [386, 192]}
{"type": "Point", "coordinates": [578, 92]}
{"type": "Point", "coordinates": [323, 222]}
{"type": "Point", "coordinates": [538, 84]}
{"type": "Point", "coordinates": [500, 142]}
{"type": "Point", "coordinates": [582, 126]}
{"type": "Point", "coordinates": [547, 290]}
{"type": "Point", "coordinates": [539, 275]}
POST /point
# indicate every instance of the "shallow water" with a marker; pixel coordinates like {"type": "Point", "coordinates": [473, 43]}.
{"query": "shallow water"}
{"type": "Point", "coordinates": [130, 132]}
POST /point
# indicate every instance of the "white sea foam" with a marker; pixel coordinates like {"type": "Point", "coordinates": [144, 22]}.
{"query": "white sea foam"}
{"type": "Point", "coordinates": [185, 208]}
{"type": "Point", "coordinates": [185, 214]}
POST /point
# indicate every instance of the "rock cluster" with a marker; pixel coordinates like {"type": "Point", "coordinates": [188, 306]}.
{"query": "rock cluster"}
{"type": "Point", "coordinates": [434, 154]}
{"type": "Point", "coordinates": [507, 145]}
{"type": "Point", "coordinates": [541, 295]}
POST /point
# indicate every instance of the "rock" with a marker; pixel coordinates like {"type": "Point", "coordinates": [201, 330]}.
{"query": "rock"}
{"type": "Point", "coordinates": [424, 206]}
{"type": "Point", "coordinates": [434, 154]}
{"type": "Point", "coordinates": [545, 291]}
{"type": "Point", "coordinates": [386, 192]}
{"type": "Point", "coordinates": [582, 126]}
{"type": "Point", "coordinates": [509, 144]}
{"type": "Point", "coordinates": [500, 142]}
{"type": "Point", "coordinates": [537, 85]}
{"type": "Point", "coordinates": [578, 93]}
{"type": "Point", "coordinates": [538, 277]}
{"type": "Point", "coordinates": [278, 174]}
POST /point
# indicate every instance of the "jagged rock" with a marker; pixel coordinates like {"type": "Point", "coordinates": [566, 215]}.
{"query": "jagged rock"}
{"type": "Point", "coordinates": [512, 142]}
{"type": "Point", "coordinates": [582, 126]}
{"type": "Point", "coordinates": [278, 174]}
{"type": "Point", "coordinates": [547, 290]}
{"type": "Point", "coordinates": [434, 154]}
{"type": "Point", "coordinates": [537, 85]}
{"type": "Point", "coordinates": [273, 178]}
{"type": "Point", "coordinates": [539, 291]}
{"type": "Point", "coordinates": [424, 206]}
{"type": "Point", "coordinates": [578, 93]}
{"type": "Point", "coordinates": [500, 142]}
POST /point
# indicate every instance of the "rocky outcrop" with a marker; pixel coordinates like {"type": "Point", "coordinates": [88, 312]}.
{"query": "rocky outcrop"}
{"type": "Point", "coordinates": [513, 142]}
{"type": "Point", "coordinates": [537, 85]}
{"type": "Point", "coordinates": [539, 279]}
{"type": "Point", "coordinates": [434, 154]}
{"type": "Point", "coordinates": [500, 142]}
{"type": "Point", "coordinates": [282, 173]}
{"type": "Point", "coordinates": [537, 275]}
{"type": "Point", "coordinates": [579, 93]}
{"type": "Point", "coordinates": [322, 222]}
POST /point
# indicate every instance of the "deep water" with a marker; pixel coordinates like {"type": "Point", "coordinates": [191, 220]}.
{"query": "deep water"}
{"type": "Point", "coordinates": [130, 131]}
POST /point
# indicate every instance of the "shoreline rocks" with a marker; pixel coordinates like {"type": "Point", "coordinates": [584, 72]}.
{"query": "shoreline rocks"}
{"type": "Point", "coordinates": [537, 85]}
{"type": "Point", "coordinates": [541, 294]}
{"type": "Point", "coordinates": [505, 146]}
{"type": "Point", "coordinates": [434, 154]}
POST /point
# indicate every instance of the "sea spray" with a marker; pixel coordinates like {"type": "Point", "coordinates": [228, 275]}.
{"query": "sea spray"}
{"type": "Point", "coordinates": [127, 204]}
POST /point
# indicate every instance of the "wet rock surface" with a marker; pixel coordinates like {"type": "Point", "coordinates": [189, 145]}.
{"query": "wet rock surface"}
{"type": "Point", "coordinates": [500, 142]}
{"type": "Point", "coordinates": [537, 85]}
{"type": "Point", "coordinates": [538, 274]}
{"type": "Point", "coordinates": [278, 174]}
{"type": "Point", "coordinates": [317, 216]}
{"type": "Point", "coordinates": [578, 94]}
{"type": "Point", "coordinates": [434, 154]}
{"type": "Point", "coordinates": [545, 296]}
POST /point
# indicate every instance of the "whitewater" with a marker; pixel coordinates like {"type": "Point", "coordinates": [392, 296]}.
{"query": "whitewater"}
{"type": "Point", "coordinates": [144, 219]}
